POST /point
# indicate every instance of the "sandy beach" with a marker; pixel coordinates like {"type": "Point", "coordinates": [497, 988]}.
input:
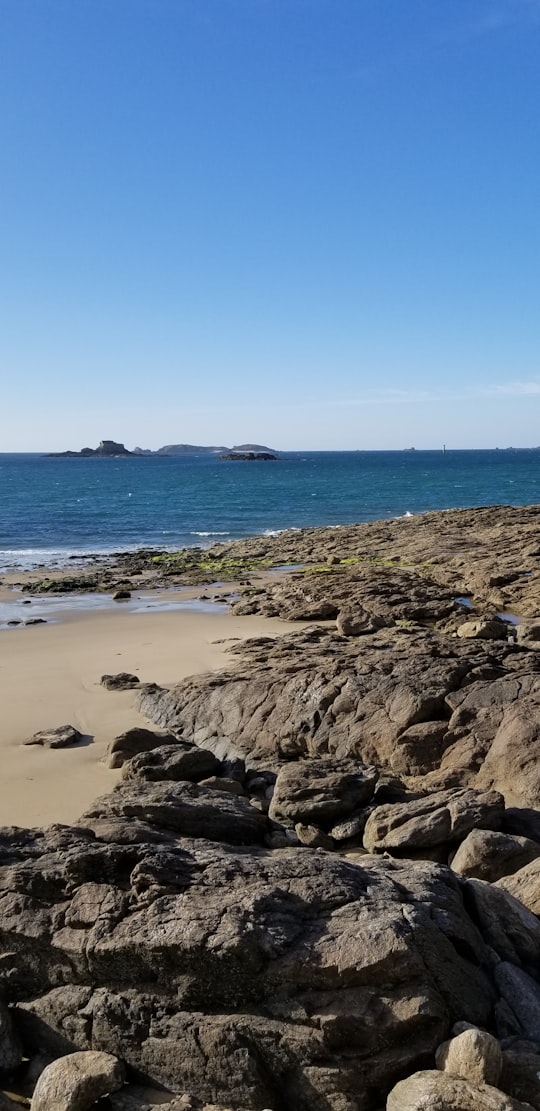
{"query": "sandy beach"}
{"type": "Point", "coordinates": [50, 675]}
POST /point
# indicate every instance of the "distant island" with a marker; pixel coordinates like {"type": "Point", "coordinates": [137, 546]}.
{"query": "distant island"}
{"type": "Point", "coordinates": [111, 449]}
{"type": "Point", "coordinates": [247, 456]}
{"type": "Point", "coordinates": [107, 449]}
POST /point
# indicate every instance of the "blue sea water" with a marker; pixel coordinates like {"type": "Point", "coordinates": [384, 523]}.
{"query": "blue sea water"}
{"type": "Point", "coordinates": [52, 509]}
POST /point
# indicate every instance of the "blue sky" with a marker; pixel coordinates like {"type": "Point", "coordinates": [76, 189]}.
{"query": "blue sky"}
{"type": "Point", "coordinates": [309, 223]}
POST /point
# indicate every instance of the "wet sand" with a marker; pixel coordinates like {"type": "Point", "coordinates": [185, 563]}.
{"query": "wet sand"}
{"type": "Point", "coordinates": [50, 675]}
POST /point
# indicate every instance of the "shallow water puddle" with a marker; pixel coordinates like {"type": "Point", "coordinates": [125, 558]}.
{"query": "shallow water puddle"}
{"type": "Point", "coordinates": [54, 609]}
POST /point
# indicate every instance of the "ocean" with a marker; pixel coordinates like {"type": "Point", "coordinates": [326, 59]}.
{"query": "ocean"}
{"type": "Point", "coordinates": [55, 509]}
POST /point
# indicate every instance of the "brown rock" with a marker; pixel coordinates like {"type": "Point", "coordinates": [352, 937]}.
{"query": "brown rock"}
{"type": "Point", "coordinates": [75, 1082]}
{"type": "Point", "coordinates": [221, 783]}
{"type": "Point", "coordinates": [175, 761]}
{"type": "Point", "coordinates": [357, 622]}
{"type": "Point", "coordinates": [525, 885]}
{"type": "Point", "coordinates": [321, 791]}
{"type": "Point", "coordinates": [442, 1092]}
{"type": "Point", "coordinates": [60, 737]}
{"type": "Point", "coordinates": [313, 837]}
{"type": "Point", "coordinates": [133, 741]}
{"type": "Point", "coordinates": [186, 808]}
{"type": "Point", "coordinates": [487, 855]}
{"type": "Point", "coordinates": [419, 748]}
{"type": "Point", "coordinates": [512, 763]}
{"type": "Point", "coordinates": [522, 994]}
{"type": "Point", "coordinates": [435, 819]}
{"type": "Point", "coordinates": [10, 1046]}
{"type": "Point", "coordinates": [507, 926]}
{"type": "Point", "coordinates": [122, 681]}
{"type": "Point", "coordinates": [474, 1055]}
{"type": "Point", "coordinates": [484, 628]}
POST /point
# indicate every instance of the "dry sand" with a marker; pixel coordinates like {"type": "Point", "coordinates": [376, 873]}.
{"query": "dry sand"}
{"type": "Point", "coordinates": [50, 675]}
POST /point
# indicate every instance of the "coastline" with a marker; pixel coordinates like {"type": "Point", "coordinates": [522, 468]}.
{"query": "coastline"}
{"type": "Point", "coordinates": [368, 752]}
{"type": "Point", "coordinates": [50, 675]}
{"type": "Point", "coordinates": [173, 626]}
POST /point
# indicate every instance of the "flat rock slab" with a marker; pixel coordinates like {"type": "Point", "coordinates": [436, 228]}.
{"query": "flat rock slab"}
{"type": "Point", "coordinates": [441, 1092]}
{"type": "Point", "coordinates": [173, 762]}
{"type": "Point", "coordinates": [59, 737]}
{"type": "Point", "coordinates": [187, 808]}
{"type": "Point", "coordinates": [314, 694]}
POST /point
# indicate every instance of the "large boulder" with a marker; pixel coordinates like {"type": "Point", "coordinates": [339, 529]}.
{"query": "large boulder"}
{"type": "Point", "coordinates": [75, 1082]}
{"type": "Point", "coordinates": [525, 885]}
{"type": "Point", "coordinates": [176, 761]}
{"type": "Point", "coordinates": [435, 819]}
{"type": "Point", "coordinates": [488, 855]}
{"type": "Point", "coordinates": [321, 791]}
{"type": "Point", "coordinates": [133, 741]}
{"type": "Point", "coordinates": [442, 1092]}
{"type": "Point", "coordinates": [512, 764]}
{"type": "Point", "coordinates": [236, 973]}
{"type": "Point", "coordinates": [474, 1055]}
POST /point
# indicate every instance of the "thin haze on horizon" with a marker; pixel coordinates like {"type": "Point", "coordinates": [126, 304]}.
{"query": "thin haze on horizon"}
{"type": "Point", "coordinates": [305, 223]}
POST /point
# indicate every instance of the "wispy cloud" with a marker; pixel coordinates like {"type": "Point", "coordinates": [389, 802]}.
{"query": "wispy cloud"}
{"type": "Point", "coordinates": [417, 396]}
{"type": "Point", "coordinates": [517, 389]}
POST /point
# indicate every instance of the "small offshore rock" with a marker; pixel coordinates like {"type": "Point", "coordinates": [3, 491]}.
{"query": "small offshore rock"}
{"type": "Point", "coordinates": [36, 621]}
{"type": "Point", "coordinates": [75, 1082]}
{"type": "Point", "coordinates": [122, 681]}
{"type": "Point", "coordinates": [121, 595]}
{"type": "Point", "coordinates": [60, 737]}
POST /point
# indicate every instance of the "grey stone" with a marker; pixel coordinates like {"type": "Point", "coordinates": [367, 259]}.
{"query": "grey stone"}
{"type": "Point", "coordinates": [122, 681]}
{"type": "Point", "coordinates": [75, 1082]}
{"type": "Point", "coordinates": [59, 737]}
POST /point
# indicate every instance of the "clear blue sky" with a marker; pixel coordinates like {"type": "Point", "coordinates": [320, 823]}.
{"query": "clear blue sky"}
{"type": "Point", "coordinates": [308, 223]}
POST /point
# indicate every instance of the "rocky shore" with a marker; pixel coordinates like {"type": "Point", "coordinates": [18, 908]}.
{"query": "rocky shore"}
{"type": "Point", "coordinates": [316, 886]}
